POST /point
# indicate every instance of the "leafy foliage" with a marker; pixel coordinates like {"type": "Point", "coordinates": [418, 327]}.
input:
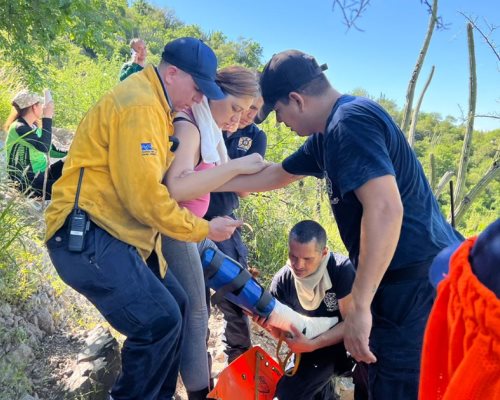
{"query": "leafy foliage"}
{"type": "Point", "coordinates": [9, 85]}
{"type": "Point", "coordinates": [29, 30]}
{"type": "Point", "coordinates": [18, 261]}
{"type": "Point", "coordinates": [77, 83]}
{"type": "Point", "coordinates": [76, 49]}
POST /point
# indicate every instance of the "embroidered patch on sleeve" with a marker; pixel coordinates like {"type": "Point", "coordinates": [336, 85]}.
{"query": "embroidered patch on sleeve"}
{"type": "Point", "coordinates": [147, 149]}
{"type": "Point", "coordinates": [331, 301]}
{"type": "Point", "coordinates": [244, 143]}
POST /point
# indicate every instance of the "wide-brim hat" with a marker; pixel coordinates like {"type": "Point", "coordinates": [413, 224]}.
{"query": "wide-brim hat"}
{"type": "Point", "coordinates": [25, 99]}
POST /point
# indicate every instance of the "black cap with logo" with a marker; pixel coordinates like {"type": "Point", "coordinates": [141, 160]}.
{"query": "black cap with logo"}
{"type": "Point", "coordinates": [284, 73]}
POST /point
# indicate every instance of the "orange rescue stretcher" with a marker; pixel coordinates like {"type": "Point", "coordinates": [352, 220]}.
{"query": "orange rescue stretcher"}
{"type": "Point", "coordinates": [252, 376]}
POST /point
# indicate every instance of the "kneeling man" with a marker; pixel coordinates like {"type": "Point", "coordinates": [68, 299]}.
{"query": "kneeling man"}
{"type": "Point", "coordinates": [316, 283]}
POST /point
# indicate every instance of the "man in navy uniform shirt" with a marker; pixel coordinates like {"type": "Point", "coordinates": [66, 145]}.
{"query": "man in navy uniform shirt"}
{"type": "Point", "coordinates": [387, 216]}
{"type": "Point", "coordinates": [247, 139]}
{"type": "Point", "coordinates": [315, 283]}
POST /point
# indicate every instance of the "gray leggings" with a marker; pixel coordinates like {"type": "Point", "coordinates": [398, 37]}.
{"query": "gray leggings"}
{"type": "Point", "coordinates": [184, 262]}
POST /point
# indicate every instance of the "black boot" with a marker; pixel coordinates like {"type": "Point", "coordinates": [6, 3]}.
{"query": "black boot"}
{"type": "Point", "coordinates": [198, 395]}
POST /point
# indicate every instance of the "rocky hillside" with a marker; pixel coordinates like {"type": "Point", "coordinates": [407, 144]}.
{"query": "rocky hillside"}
{"type": "Point", "coordinates": [61, 357]}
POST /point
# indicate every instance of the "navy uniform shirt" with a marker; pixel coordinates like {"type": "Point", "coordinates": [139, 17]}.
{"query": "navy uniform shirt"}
{"type": "Point", "coordinates": [362, 142]}
{"type": "Point", "coordinates": [243, 142]}
{"type": "Point", "coordinates": [341, 274]}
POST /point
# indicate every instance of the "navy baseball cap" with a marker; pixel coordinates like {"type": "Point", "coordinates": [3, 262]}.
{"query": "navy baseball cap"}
{"type": "Point", "coordinates": [485, 257]}
{"type": "Point", "coordinates": [198, 60]}
{"type": "Point", "coordinates": [440, 267]}
{"type": "Point", "coordinates": [284, 73]}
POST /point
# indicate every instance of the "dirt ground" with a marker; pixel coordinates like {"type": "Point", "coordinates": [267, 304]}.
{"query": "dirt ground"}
{"type": "Point", "coordinates": [54, 361]}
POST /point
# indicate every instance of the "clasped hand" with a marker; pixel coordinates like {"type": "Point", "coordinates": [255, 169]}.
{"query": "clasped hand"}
{"type": "Point", "coordinates": [296, 341]}
{"type": "Point", "coordinates": [250, 164]}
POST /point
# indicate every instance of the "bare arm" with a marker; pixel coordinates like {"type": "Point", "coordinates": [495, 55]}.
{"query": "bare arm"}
{"type": "Point", "coordinates": [380, 230]}
{"type": "Point", "coordinates": [184, 185]}
{"type": "Point", "coordinates": [271, 177]}
{"type": "Point", "coordinates": [243, 194]}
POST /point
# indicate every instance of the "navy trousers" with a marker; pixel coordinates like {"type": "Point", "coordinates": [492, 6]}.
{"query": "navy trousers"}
{"type": "Point", "coordinates": [314, 379]}
{"type": "Point", "coordinates": [400, 312]}
{"type": "Point", "coordinates": [136, 302]}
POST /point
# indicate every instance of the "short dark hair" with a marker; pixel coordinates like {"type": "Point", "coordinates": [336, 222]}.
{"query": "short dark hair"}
{"type": "Point", "coordinates": [316, 87]}
{"type": "Point", "coordinates": [307, 230]}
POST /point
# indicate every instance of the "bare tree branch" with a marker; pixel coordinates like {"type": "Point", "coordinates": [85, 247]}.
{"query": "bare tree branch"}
{"type": "Point", "coordinates": [351, 11]}
{"type": "Point", "coordinates": [476, 190]}
{"type": "Point", "coordinates": [442, 183]}
{"type": "Point", "coordinates": [439, 20]}
{"type": "Point", "coordinates": [488, 39]}
{"type": "Point", "coordinates": [410, 91]}
{"type": "Point", "coordinates": [487, 116]}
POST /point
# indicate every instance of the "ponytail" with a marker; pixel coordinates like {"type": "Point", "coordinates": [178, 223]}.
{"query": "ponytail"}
{"type": "Point", "coordinates": [15, 114]}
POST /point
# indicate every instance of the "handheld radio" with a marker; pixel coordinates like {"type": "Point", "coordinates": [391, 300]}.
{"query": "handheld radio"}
{"type": "Point", "coordinates": [79, 223]}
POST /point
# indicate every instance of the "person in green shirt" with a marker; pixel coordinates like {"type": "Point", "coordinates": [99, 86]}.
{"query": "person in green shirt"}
{"type": "Point", "coordinates": [138, 58]}
{"type": "Point", "coordinates": [29, 145]}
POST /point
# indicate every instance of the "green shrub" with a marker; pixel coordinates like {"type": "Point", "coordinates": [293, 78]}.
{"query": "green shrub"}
{"type": "Point", "coordinates": [18, 259]}
{"type": "Point", "coordinates": [10, 84]}
{"type": "Point", "coordinates": [77, 84]}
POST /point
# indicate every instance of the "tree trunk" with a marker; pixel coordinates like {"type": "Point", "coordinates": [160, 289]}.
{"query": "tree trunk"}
{"type": "Point", "coordinates": [432, 162]}
{"type": "Point", "coordinates": [410, 92]}
{"type": "Point", "coordinates": [442, 183]}
{"type": "Point", "coordinates": [464, 158]}
{"type": "Point", "coordinates": [476, 190]}
{"type": "Point", "coordinates": [413, 126]}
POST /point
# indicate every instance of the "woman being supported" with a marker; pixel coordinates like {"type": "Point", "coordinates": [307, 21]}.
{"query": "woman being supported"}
{"type": "Point", "coordinates": [190, 179]}
{"type": "Point", "coordinates": [29, 146]}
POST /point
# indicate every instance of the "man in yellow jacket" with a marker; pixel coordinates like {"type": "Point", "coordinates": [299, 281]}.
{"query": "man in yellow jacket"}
{"type": "Point", "coordinates": [107, 244]}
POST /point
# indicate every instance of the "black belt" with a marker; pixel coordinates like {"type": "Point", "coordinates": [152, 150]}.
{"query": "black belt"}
{"type": "Point", "coordinates": [413, 271]}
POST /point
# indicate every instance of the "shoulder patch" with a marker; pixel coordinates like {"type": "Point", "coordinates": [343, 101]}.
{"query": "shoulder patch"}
{"type": "Point", "coordinates": [331, 301]}
{"type": "Point", "coordinates": [244, 143]}
{"type": "Point", "coordinates": [147, 149]}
